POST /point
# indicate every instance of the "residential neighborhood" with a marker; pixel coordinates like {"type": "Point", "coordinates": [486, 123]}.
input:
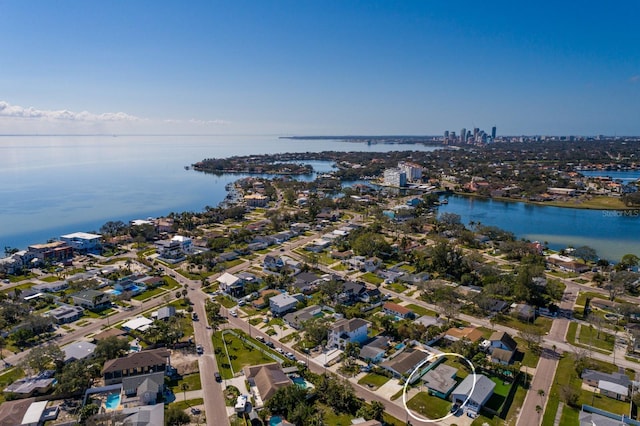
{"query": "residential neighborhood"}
{"type": "Point", "coordinates": [246, 313]}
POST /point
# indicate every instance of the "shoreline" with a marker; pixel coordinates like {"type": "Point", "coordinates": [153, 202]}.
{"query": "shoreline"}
{"type": "Point", "coordinates": [563, 205]}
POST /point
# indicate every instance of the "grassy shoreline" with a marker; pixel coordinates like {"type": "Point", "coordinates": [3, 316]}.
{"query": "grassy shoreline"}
{"type": "Point", "coordinates": [596, 203]}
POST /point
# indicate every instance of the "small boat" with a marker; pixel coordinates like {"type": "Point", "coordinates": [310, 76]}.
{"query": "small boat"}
{"type": "Point", "coordinates": [445, 201]}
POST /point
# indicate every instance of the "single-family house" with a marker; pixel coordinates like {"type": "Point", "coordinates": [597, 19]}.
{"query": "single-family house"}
{"type": "Point", "coordinates": [345, 330]}
{"type": "Point", "coordinates": [146, 388]}
{"type": "Point", "coordinates": [296, 319]}
{"type": "Point", "coordinates": [170, 250]}
{"type": "Point", "coordinates": [614, 385]}
{"type": "Point", "coordinates": [502, 340]}
{"type": "Point", "coordinates": [110, 332]}
{"type": "Point", "coordinates": [91, 299]}
{"type": "Point", "coordinates": [135, 364]}
{"type": "Point", "coordinates": [282, 303]}
{"type": "Point", "coordinates": [51, 287]}
{"type": "Point", "coordinates": [166, 312]}
{"type": "Point", "coordinates": [429, 321]}
{"type": "Point", "coordinates": [492, 305]}
{"type": "Point", "coordinates": [524, 312]}
{"type": "Point", "coordinates": [317, 245]}
{"type": "Point", "coordinates": [78, 350]}
{"type": "Point", "coordinates": [440, 380]}
{"type": "Point", "coordinates": [307, 282]}
{"type": "Point", "coordinates": [374, 351]}
{"type": "Point", "coordinates": [371, 264]}
{"type": "Point", "coordinates": [231, 284]}
{"type": "Point", "coordinates": [370, 295]}
{"type": "Point", "coordinates": [273, 263]}
{"type": "Point", "coordinates": [397, 311]}
{"type": "Point", "coordinates": [65, 314]}
{"type": "Point", "coordinates": [356, 262]}
{"type": "Point", "coordinates": [482, 391]}
{"type": "Point", "coordinates": [471, 334]}
{"type": "Point", "coordinates": [30, 386]}
{"type": "Point", "coordinates": [267, 379]}
{"type": "Point", "coordinates": [403, 364]}
{"type": "Point", "coordinates": [351, 292]}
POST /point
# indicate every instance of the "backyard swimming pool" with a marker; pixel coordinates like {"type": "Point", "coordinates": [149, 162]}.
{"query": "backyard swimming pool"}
{"type": "Point", "coordinates": [300, 382]}
{"type": "Point", "coordinates": [113, 400]}
{"type": "Point", "coordinates": [275, 421]}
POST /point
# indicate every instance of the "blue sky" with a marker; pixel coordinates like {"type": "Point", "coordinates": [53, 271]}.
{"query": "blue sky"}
{"type": "Point", "coordinates": [319, 67]}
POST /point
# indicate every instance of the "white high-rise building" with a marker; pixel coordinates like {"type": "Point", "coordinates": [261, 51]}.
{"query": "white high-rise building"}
{"type": "Point", "coordinates": [395, 177]}
{"type": "Point", "coordinates": [413, 171]}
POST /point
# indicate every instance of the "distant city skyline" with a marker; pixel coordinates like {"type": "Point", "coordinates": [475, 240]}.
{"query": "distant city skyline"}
{"type": "Point", "coordinates": [319, 68]}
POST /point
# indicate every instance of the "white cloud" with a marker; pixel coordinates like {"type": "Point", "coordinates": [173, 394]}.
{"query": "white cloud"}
{"type": "Point", "coordinates": [19, 119]}
{"type": "Point", "coordinates": [634, 79]}
{"type": "Point", "coordinates": [198, 122]}
{"type": "Point", "coordinates": [16, 111]}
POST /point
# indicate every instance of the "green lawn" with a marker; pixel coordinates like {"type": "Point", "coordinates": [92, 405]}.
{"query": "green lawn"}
{"type": "Point", "coordinates": [149, 294]}
{"type": "Point", "coordinates": [567, 375]}
{"type": "Point", "coordinates": [239, 353]}
{"type": "Point", "coordinates": [226, 301]}
{"type": "Point", "coordinates": [543, 323]}
{"type": "Point", "coordinates": [527, 357]}
{"type": "Point", "coordinates": [183, 405]}
{"type": "Point", "coordinates": [590, 336]}
{"type": "Point", "coordinates": [9, 377]}
{"type": "Point", "coordinates": [397, 287]}
{"type": "Point", "coordinates": [429, 406]}
{"type": "Point", "coordinates": [373, 380]}
{"type": "Point", "coordinates": [18, 287]}
{"type": "Point", "coordinates": [332, 418]}
{"type": "Point", "coordinates": [421, 311]}
{"type": "Point", "coordinates": [371, 278]}
{"type": "Point", "coordinates": [50, 279]}
{"type": "Point", "coordinates": [193, 380]}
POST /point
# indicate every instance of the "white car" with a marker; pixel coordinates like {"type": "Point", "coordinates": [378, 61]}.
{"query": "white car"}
{"type": "Point", "coordinates": [233, 313]}
{"type": "Point", "coordinates": [279, 350]}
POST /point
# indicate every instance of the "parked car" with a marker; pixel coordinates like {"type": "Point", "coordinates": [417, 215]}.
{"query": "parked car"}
{"type": "Point", "coordinates": [233, 313]}
{"type": "Point", "coordinates": [199, 350]}
{"type": "Point", "coordinates": [218, 377]}
{"type": "Point", "coordinates": [260, 338]}
{"type": "Point", "coordinates": [279, 350]}
{"type": "Point", "coordinates": [270, 344]}
{"type": "Point", "coordinates": [195, 410]}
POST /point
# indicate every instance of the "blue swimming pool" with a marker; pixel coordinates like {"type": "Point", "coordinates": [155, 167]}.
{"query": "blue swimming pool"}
{"type": "Point", "coordinates": [113, 400]}
{"type": "Point", "coordinates": [300, 382]}
{"type": "Point", "coordinates": [400, 346]}
{"type": "Point", "coordinates": [275, 421]}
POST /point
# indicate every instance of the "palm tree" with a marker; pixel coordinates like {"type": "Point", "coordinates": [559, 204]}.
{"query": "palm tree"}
{"type": "Point", "coordinates": [184, 386]}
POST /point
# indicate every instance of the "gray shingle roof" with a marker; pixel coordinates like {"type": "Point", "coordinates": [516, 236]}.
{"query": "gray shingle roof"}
{"type": "Point", "coordinates": [482, 391]}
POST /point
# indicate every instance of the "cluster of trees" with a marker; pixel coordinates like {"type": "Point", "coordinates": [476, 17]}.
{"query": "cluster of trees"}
{"type": "Point", "coordinates": [297, 405]}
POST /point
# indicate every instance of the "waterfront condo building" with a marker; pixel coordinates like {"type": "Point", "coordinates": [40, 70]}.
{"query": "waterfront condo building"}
{"type": "Point", "coordinates": [83, 242]}
{"type": "Point", "coordinates": [395, 177]}
{"type": "Point", "coordinates": [412, 171]}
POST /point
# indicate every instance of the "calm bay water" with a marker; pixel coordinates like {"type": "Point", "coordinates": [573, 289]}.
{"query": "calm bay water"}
{"type": "Point", "coordinates": [53, 185]}
{"type": "Point", "coordinates": [611, 233]}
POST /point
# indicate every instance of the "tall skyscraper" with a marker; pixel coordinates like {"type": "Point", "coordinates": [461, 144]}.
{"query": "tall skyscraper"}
{"type": "Point", "coordinates": [493, 132]}
{"type": "Point", "coordinates": [463, 135]}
